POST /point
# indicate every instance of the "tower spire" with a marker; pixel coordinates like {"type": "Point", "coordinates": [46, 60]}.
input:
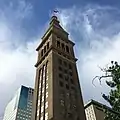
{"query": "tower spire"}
{"type": "Point", "coordinates": [54, 18]}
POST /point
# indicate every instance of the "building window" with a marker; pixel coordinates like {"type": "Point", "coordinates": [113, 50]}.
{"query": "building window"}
{"type": "Point", "coordinates": [60, 75]}
{"type": "Point", "coordinates": [41, 118]}
{"type": "Point", "coordinates": [42, 53]}
{"type": "Point", "coordinates": [70, 66]}
{"type": "Point", "coordinates": [42, 108]}
{"type": "Point", "coordinates": [70, 73]}
{"type": "Point", "coordinates": [47, 86]}
{"type": "Point", "coordinates": [77, 118]}
{"type": "Point", "coordinates": [66, 78]}
{"type": "Point", "coordinates": [67, 49]}
{"type": "Point", "coordinates": [58, 44]}
{"type": "Point", "coordinates": [60, 61]}
{"type": "Point", "coordinates": [46, 105]}
{"type": "Point", "coordinates": [61, 83]}
{"type": "Point", "coordinates": [46, 116]}
{"type": "Point", "coordinates": [74, 106]}
{"type": "Point", "coordinates": [61, 95]}
{"type": "Point", "coordinates": [72, 81]}
{"type": "Point", "coordinates": [42, 98]}
{"type": "Point", "coordinates": [65, 63]}
{"type": "Point", "coordinates": [65, 71]}
{"type": "Point", "coordinates": [63, 46]}
{"type": "Point", "coordinates": [60, 68]}
{"type": "Point", "coordinates": [62, 102]}
{"type": "Point", "coordinates": [46, 94]}
{"type": "Point", "coordinates": [67, 86]}
{"type": "Point", "coordinates": [38, 102]}
{"type": "Point", "coordinates": [44, 79]}
{"type": "Point", "coordinates": [45, 49]}
{"type": "Point", "coordinates": [67, 95]}
{"type": "Point", "coordinates": [43, 90]}
{"type": "Point", "coordinates": [38, 112]}
{"type": "Point", "coordinates": [72, 88]}
{"type": "Point", "coordinates": [48, 45]}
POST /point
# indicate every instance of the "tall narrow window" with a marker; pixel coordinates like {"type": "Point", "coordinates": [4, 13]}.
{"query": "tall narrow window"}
{"type": "Point", "coordinates": [45, 49]}
{"type": "Point", "coordinates": [48, 45]}
{"type": "Point", "coordinates": [60, 61]}
{"type": "Point", "coordinates": [46, 116]}
{"type": "Point", "coordinates": [72, 81]}
{"type": "Point", "coordinates": [46, 105]}
{"type": "Point", "coordinates": [62, 102]}
{"type": "Point", "coordinates": [65, 63]}
{"type": "Point", "coordinates": [60, 68]}
{"type": "Point", "coordinates": [66, 78]}
{"type": "Point", "coordinates": [70, 66]}
{"type": "Point", "coordinates": [65, 71]}
{"type": "Point", "coordinates": [67, 87]}
{"type": "Point", "coordinates": [58, 44]}
{"type": "Point", "coordinates": [67, 49]}
{"type": "Point", "coordinates": [60, 75]}
{"type": "Point", "coordinates": [42, 53]}
{"type": "Point", "coordinates": [63, 46]}
{"type": "Point", "coordinates": [61, 83]}
{"type": "Point", "coordinates": [70, 73]}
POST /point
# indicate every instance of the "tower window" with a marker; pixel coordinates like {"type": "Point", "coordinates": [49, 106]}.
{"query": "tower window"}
{"type": "Point", "coordinates": [58, 44]}
{"type": "Point", "coordinates": [60, 61]}
{"type": "Point", "coordinates": [60, 75]}
{"type": "Point", "coordinates": [65, 71]}
{"type": "Point", "coordinates": [70, 66]}
{"type": "Point", "coordinates": [72, 81]}
{"type": "Point", "coordinates": [48, 45]}
{"type": "Point", "coordinates": [74, 106]}
{"type": "Point", "coordinates": [77, 118]}
{"type": "Point", "coordinates": [44, 49]}
{"type": "Point", "coordinates": [63, 46]}
{"type": "Point", "coordinates": [62, 102]}
{"type": "Point", "coordinates": [42, 53]}
{"type": "Point", "coordinates": [60, 68]}
{"type": "Point", "coordinates": [67, 86]}
{"type": "Point", "coordinates": [67, 49]}
{"type": "Point", "coordinates": [61, 95]}
{"type": "Point", "coordinates": [66, 78]}
{"type": "Point", "coordinates": [61, 83]}
{"type": "Point", "coordinates": [68, 94]}
{"type": "Point", "coordinates": [65, 63]}
{"type": "Point", "coordinates": [70, 73]}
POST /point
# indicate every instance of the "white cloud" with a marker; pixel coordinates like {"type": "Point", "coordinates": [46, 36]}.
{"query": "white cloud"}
{"type": "Point", "coordinates": [95, 30]}
{"type": "Point", "coordinates": [17, 57]}
{"type": "Point", "coordinates": [97, 41]}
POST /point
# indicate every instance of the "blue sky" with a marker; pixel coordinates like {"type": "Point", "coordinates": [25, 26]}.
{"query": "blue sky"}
{"type": "Point", "coordinates": [92, 24]}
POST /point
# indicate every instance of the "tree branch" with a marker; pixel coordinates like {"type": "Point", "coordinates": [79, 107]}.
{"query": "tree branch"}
{"type": "Point", "coordinates": [100, 77]}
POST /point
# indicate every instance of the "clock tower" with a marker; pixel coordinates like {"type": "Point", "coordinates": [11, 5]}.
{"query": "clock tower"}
{"type": "Point", "coordinates": [57, 92]}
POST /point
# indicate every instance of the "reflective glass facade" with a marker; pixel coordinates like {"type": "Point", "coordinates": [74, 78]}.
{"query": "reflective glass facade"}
{"type": "Point", "coordinates": [20, 107]}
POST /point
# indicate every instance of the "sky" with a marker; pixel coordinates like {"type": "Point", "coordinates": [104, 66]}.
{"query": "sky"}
{"type": "Point", "coordinates": [93, 25]}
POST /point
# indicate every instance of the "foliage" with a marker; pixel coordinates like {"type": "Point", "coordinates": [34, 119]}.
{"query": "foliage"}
{"type": "Point", "coordinates": [112, 75]}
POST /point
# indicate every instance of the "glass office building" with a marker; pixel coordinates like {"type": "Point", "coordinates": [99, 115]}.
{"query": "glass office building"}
{"type": "Point", "coordinates": [20, 107]}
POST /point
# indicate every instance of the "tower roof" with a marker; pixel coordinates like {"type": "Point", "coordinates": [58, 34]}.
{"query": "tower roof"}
{"type": "Point", "coordinates": [54, 20]}
{"type": "Point", "coordinates": [56, 28]}
{"type": "Point", "coordinates": [54, 24]}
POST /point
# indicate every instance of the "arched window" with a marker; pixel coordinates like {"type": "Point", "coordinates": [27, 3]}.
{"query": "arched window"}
{"type": "Point", "coordinates": [45, 49]}
{"type": "Point", "coordinates": [67, 49]}
{"type": "Point", "coordinates": [63, 46]}
{"type": "Point", "coordinates": [42, 53]}
{"type": "Point", "coordinates": [58, 44]}
{"type": "Point", "coordinates": [48, 45]}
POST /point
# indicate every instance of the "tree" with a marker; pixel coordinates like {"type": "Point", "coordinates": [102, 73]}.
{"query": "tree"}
{"type": "Point", "coordinates": [112, 78]}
